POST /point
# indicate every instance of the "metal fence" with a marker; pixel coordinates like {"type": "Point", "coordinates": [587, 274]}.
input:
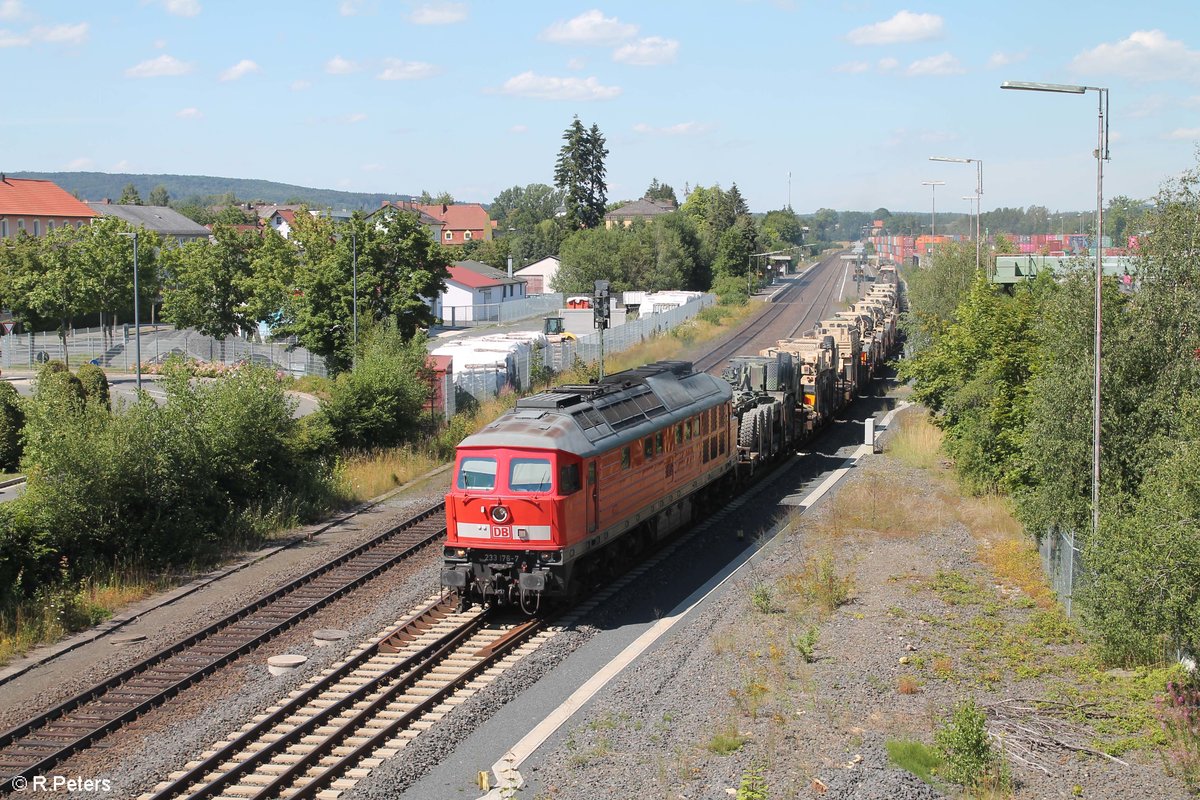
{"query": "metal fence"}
{"type": "Point", "coordinates": [117, 351]}
{"type": "Point", "coordinates": [1062, 564]}
{"type": "Point", "coordinates": [492, 313]}
{"type": "Point", "coordinates": [623, 337]}
{"type": "Point", "coordinates": [484, 383]}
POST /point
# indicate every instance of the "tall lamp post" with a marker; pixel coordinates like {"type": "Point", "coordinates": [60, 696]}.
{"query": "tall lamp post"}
{"type": "Point", "coordinates": [137, 320]}
{"type": "Point", "coordinates": [354, 281]}
{"type": "Point", "coordinates": [1101, 155]}
{"type": "Point", "coordinates": [933, 204]}
{"type": "Point", "coordinates": [978, 194]}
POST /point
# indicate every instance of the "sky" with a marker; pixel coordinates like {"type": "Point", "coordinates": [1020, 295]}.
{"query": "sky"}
{"type": "Point", "coordinates": [816, 103]}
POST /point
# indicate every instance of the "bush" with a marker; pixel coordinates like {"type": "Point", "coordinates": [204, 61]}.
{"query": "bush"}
{"type": "Point", "coordinates": [379, 402]}
{"type": "Point", "coordinates": [12, 420]}
{"type": "Point", "coordinates": [966, 752]}
{"type": "Point", "coordinates": [731, 290]}
{"type": "Point", "coordinates": [60, 386]}
{"type": "Point", "coordinates": [95, 384]}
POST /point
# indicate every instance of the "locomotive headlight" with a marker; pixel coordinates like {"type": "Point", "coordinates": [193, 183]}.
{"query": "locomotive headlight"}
{"type": "Point", "coordinates": [461, 552]}
{"type": "Point", "coordinates": [500, 515]}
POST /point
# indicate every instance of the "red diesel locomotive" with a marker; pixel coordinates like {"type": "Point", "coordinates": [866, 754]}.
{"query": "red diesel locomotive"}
{"type": "Point", "coordinates": [546, 496]}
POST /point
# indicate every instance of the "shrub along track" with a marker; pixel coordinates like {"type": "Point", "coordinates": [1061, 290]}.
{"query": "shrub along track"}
{"type": "Point", "coordinates": [36, 745]}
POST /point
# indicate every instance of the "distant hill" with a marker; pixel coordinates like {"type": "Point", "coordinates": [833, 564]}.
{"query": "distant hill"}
{"type": "Point", "coordinates": [95, 186]}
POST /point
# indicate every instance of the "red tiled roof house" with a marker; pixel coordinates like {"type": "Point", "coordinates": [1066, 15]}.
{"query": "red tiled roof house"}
{"type": "Point", "coordinates": [38, 207]}
{"type": "Point", "coordinates": [461, 222]}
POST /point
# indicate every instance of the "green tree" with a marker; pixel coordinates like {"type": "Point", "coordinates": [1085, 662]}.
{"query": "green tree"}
{"type": "Point", "coordinates": [936, 291]}
{"type": "Point", "coordinates": [130, 196]}
{"type": "Point", "coordinates": [272, 278]}
{"type": "Point", "coordinates": [107, 255]}
{"type": "Point", "coordinates": [782, 228]}
{"type": "Point", "coordinates": [441, 198]}
{"type": "Point", "coordinates": [53, 280]}
{"type": "Point", "coordinates": [159, 196]}
{"type": "Point", "coordinates": [211, 283]}
{"type": "Point", "coordinates": [588, 256]}
{"type": "Point", "coordinates": [523, 207]}
{"type": "Point", "coordinates": [379, 402]}
{"type": "Point", "coordinates": [399, 269]}
{"type": "Point", "coordinates": [580, 172]}
{"type": "Point", "coordinates": [736, 246]}
{"type": "Point", "coordinates": [94, 383]}
{"type": "Point", "coordinates": [661, 192]}
{"type": "Point", "coordinates": [12, 420]}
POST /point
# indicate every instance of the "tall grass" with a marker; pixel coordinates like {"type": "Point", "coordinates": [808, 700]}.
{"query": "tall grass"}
{"type": "Point", "coordinates": [917, 442]}
{"type": "Point", "coordinates": [57, 612]}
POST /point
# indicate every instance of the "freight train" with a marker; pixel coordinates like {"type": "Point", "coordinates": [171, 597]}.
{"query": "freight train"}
{"type": "Point", "coordinates": [553, 495]}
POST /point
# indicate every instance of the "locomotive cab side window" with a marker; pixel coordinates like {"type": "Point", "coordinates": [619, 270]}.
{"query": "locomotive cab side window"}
{"type": "Point", "coordinates": [625, 458]}
{"type": "Point", "coordinates": [568, 479]}
{"type": "Point", "coordinates": [648, 447]}
{"type": "Point", "coordinates": [477, 473]}
{"type": "Point", "coordinates": [529, 475]}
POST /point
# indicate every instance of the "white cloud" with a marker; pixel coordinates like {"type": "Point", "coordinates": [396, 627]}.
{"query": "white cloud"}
{"type": "Point", "coordinates": [519, 129]}
{"type": "Point", "coordinates": [12, 39]}
{"type": "Point", "coordinates": [182, 8]}
{"type": "Point", "coordinates": [679, 129]}
{"type": "Point", "coordinates": [189, 113]}
{"type": "Point", "coordinates": [944, 64]}
{"type": "Point", "coordinates": [159, 44]}
{"type": "Point", "coordinates": [300, 85]}
{"type": "Point", "coordinates": [904, 27]}
{"type": "Point", "coordinates": [164, 65]}
{"type": "Point", "coordinates": [590, 27]}
{"type": "Point", "coordinates": [121, 166]}
{"type": "Point", "coordinates": [58, 34]}
{"type": "Point", "coordinates": [350, 8]}
{"type": "Point", "coordinates": [396, 70]}
{"type": "Point", "coordinates": [1144, 56]}
{"type": "Point", "coordinates": [354, 118]}
{"type": "Point", "coordinates": [374, 167]}
{"type": "Point", "coordinates": [547, 87]}
{"type": "Point", "coordinates": [1002, 59]}
{"type": "Point", "coordinates": [853, 68]}
{"type": "Point", "coordinates": [11, 9]}
{"type": "Point", "coordinates": [62, 34]}
{"type": "Point", "coordinates": [240, 70]}
{"type": "Point", "coordinates": [79, 163]}
{"type": "Point", "coordinates": [340, 66]}
{"type": "Point", "coordinates": [648, 52]}
{"type": "Point", "coordinates": [438, 14]}
{"type": "Point", "coordinates": [888, 64]}
{"type": "Point", "coordinates": [1184, 133]}
{"type": "Point", "coordinates": [576, 64]}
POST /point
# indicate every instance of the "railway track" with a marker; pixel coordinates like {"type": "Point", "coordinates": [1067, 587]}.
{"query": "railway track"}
{"type": "Point", "coordinates": [791, 294]}
{"type": "Point", "coordinates": [36, 745]}
{"type": "Point", "coordinates": [330, 733]}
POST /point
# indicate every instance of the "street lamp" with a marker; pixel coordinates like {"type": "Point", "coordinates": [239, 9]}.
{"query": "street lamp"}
{"type": "Point", "coordinates": [933, 203]}
{"type": "Point", "coordinates": [137, 321]}
{"type": "Point", "coordinates": [1101, 155]}
{"type": "Point", "coordinates": [978, 194]}
{"type": "Point", "coordinates": [354, 281]}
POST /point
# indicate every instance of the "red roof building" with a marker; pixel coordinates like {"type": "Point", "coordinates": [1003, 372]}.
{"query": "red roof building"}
{"type": "Point", "coordinates": [38, 207]}
{"type": "Point", "coordinates": [461, 222]}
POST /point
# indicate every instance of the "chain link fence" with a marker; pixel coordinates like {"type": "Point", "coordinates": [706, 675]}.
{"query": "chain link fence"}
{"type": "Point", "coordinates": [158, 342]}
{"type": "Point", "coordinates": [1062, 564]}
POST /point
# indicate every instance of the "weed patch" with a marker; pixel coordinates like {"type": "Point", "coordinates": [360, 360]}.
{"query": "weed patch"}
{"type": "Point", "coordinates": [917, 758]}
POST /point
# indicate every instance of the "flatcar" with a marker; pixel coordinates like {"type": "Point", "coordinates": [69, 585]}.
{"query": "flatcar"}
{"type": "Point", "coordinates": [553, 492]}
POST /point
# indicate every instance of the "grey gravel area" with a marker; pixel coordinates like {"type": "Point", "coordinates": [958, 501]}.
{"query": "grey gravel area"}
{"type": "Point", "coordinates": [867, 775]}
{"type": "Point", "coordinates": [139, 756]}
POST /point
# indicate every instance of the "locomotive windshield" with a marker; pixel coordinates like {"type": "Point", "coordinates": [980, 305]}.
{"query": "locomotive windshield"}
{"type": "Point", "coordinates": [477, 473]}
{"type": "Point", "coordinates": [529, 475]}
